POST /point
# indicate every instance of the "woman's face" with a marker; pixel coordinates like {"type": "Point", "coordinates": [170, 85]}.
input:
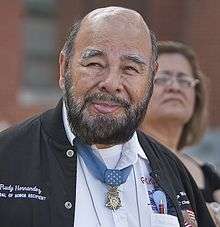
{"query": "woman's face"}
{"type": "Point", "coordinates": [174, 93]}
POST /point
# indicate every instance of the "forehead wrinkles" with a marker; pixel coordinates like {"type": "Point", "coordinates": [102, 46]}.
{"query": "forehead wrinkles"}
{"type": "Point", "coordinates": [116, 30]}
{"type": "Point", "coordinates": [110, 37]}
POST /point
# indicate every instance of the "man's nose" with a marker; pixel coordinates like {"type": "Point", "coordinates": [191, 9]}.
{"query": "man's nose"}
{"type": "Point", "coordinates": [111, 82]}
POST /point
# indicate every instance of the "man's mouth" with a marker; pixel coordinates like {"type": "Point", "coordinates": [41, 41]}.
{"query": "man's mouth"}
{"type": "Point", "coordinates": [104, 107]}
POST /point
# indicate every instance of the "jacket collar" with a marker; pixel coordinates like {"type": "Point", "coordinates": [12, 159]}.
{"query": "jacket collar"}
{"type": "Point", "coordinates": [52, 123]}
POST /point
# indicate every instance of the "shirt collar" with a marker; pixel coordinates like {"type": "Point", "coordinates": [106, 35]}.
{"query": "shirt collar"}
{"type": "Point", "coordinates": [130, 146]}
{"type": "Point", "coordinates": [135, 145]}
{"type": "Point", "coordinates": [68, 131]}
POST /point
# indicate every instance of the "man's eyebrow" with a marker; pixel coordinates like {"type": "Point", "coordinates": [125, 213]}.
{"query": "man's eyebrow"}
{"type": "Point", "coordinates": [89, 53]}
{"type": "Point", "coordinates": [134, 58]}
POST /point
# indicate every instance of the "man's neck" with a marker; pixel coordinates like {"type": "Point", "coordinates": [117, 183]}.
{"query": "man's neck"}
{"type": "Point", "coordinates": [104, 146]}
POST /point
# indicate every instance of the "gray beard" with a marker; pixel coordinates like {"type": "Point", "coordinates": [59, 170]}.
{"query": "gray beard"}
{"type": "Point", "coordinates": [103, 129]}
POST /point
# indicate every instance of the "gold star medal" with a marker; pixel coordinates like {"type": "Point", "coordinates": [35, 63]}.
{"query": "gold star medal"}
{"type": "Point", "coordinates": [113, 199]}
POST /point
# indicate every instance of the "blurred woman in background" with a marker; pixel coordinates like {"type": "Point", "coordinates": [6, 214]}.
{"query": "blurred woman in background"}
{"type": "Point", "coordinates": [177, 113]}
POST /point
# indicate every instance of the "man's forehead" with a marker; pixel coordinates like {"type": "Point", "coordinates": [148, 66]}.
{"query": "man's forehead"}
{"type": "Point", "coordinates": [111, 31]}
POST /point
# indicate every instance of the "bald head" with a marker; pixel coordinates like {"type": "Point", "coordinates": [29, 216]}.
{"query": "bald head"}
{"type": "Point", "coordinates": [112, 10]}
{"type": "Point", "coordinates": [126, 17]}
{"type": "Point", "coordinates": [116, 18]}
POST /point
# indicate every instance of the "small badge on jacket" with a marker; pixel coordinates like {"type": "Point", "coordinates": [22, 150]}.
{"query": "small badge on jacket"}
{"type": "Point", "coordinates": [189, 218]}
{"type": "Point", "coordinates": [188, 214]}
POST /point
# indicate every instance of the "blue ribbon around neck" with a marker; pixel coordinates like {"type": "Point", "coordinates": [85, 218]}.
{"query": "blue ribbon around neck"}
{"type": "Point", "coordinates": [111, 177]}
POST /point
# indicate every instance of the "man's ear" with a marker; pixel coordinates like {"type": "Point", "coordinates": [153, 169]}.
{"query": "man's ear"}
{"type": "Point", "coordinates": [62, 69]}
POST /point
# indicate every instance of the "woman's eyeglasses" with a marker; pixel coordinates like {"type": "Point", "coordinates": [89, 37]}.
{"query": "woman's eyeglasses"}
{"type": "Point", "coordinates": [182, 80]}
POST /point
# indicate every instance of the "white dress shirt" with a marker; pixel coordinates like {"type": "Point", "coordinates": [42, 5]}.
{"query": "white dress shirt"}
{"type": "Point", "coordinates": [136, 210]}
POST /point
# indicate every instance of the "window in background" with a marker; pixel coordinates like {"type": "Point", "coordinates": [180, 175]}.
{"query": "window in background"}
{"type": "Point", "coordinates": [39, 84]}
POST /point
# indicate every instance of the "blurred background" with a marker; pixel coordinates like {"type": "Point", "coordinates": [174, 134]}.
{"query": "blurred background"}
{"type": "Point", "coordinates": [32, 33]}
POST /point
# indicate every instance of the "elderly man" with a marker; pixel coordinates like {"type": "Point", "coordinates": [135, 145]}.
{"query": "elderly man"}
{"type": "Point", "coordinates": [83, 163]}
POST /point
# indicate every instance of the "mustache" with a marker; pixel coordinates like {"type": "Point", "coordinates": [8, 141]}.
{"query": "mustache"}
{"type": "Point", "coordinates": [108, 98]}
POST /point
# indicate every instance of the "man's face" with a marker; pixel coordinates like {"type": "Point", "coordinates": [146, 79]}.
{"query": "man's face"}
{"type": "Point", "coordinates": [108, 82]}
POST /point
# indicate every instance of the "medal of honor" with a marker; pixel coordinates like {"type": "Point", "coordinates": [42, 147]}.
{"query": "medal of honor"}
{"type": "Point", "coordinates": [113, 199]}
{"type": "Point", "coordinates": [112, 178]}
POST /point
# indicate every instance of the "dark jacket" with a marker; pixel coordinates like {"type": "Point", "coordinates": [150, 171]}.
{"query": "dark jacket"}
{"type": "Point", "coordinates": [38, 177]}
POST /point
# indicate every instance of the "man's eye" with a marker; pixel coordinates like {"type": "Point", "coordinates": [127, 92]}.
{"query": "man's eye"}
{"type": "Point", "coordinates": [94, 64]}
{"type": "Point", "coordinates": [131, 69]}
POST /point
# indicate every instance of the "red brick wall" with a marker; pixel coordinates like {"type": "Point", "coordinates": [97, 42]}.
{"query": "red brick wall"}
{"type": "Point", "coordinates": [204, 34]}
{"type": "Point", "coordinates": [194, 22]}
{"type": "Point", "coordinates": [12, 62]}
{"type": "Point", "coordinates": [10, 56]}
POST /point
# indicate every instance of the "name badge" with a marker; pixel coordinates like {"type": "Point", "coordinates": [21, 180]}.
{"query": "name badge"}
{"type": "Point", "coordinates": [21, 192]}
